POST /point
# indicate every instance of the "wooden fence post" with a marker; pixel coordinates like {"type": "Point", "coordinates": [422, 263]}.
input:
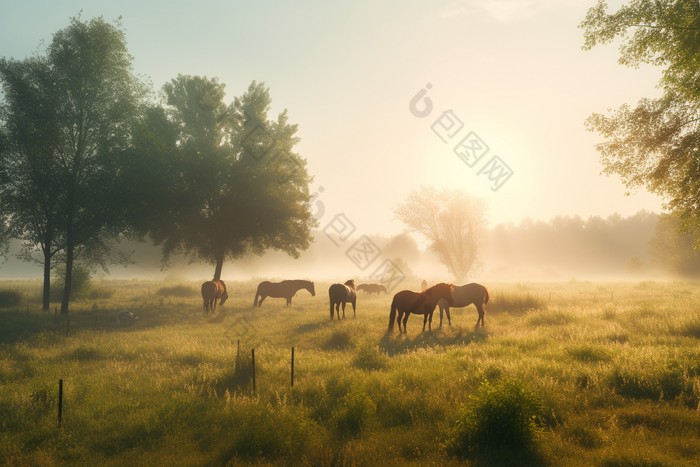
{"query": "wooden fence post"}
{"type": "Point", "coordinates": [253, 371]}
{"type": "Point", "coordinates": [60, 401]}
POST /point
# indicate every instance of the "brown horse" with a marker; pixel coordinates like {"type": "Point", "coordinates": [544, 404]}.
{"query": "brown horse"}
{"type": "Point", "coordinates": [465, 295]}
{"type": "Point", "coordinates": [284, 289]}
{"type": "Point", "coordinates": [371, 288]}
{"type": "Point", "coordinates": [340, 294]}
{"type": "Point", "coordinates": [211, 290]}
{"type": "Point", "coordinates": [421, 303]}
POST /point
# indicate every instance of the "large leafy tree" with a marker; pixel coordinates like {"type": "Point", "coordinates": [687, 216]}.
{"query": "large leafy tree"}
{"type": "Point", "coordinates": [655, 145]}
{"type": "Point", "coordinates": [30, 195]}
{"type": "Point", "coordinates": [88, 99]}
{"type": "Point", "coordinates": [454, 223]}
{"type": "Point", "coordinates": [231, 182]}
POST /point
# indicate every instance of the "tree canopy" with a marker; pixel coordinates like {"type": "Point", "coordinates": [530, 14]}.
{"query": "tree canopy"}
{"type": "Point", "coordinates": [67, 119]}
{"type": "Point", "coordinates": [453, 221]}
{"type": "Point", "coordinates": [232, 182]}
{"type": "Point", "coordinates": [655, 144]}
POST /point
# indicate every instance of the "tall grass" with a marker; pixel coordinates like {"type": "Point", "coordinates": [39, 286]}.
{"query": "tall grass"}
{"type": "Point", "coordinates": [576, 381]}
{"type": "Point", "coordinates": [513, 301]}
{"type": "Point", "coordinates": [10, 298]}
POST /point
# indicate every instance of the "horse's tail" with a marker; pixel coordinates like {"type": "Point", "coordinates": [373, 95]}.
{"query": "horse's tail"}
{"type": "Point", "coordinates": [486, 297]}
{"type": "Point", "coordinates": [392, 316]}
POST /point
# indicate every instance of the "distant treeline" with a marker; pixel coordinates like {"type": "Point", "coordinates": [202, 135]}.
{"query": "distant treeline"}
{"type": "Point", "coordinates": [563, 247]}
{"type": "Point", "coordinates": [594, 246]}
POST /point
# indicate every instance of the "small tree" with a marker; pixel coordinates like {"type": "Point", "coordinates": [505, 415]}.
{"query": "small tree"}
{"type": "Point", "coordinates": [453, 221]}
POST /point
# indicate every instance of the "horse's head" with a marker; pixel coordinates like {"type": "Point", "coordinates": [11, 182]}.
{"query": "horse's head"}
{"type": "Point", "coordinates": [443, 291]}
{"type": "Point", "coordinates": [382, 288]}
{"type": "Point", "coordinates": [351, 284]}
{"type": "Point", "coordinates": [224, 295]}
{"type": "Point", "coordinates": [311, 289]}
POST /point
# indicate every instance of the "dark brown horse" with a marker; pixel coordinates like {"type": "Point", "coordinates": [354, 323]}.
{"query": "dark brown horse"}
{"type": "Point", "coordinates": [421, 303]}
{"type": "Point", "coordinates": [211, 290]}
{"type": "Point", "coordinates": [371, 288]}
{"type": "Point", "coordinates": [341, 294]}
{"type": "Point", "coordinates": [465, 295]}
{"type": "Point", "coordinates": [284, 289]}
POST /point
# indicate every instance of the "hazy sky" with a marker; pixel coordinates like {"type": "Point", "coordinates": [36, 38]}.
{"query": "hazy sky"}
{"type": "Point", "coordinates": [512, 71]}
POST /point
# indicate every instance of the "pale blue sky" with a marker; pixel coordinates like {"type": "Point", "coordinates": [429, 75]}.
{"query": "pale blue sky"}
{"type": "Point", "coordinates": [511, 70]}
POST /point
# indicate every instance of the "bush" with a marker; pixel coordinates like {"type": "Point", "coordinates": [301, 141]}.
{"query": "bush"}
{"type": "Point", "coordinates": [357, 412]}
{"type": "Point", "coordinates": [370, 358]}
{"type": "Point", "coordinates": [9, 298]}
{"type": "Point", "coordinates": [81, 284]}
{"type": "Point", "coordinates": [339, 340]}
{"type": "Point", "coordinates": [503, 417]}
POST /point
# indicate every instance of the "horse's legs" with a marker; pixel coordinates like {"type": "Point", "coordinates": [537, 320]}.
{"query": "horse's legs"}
{"type": "Point", "coordinates": [262, 297]}
{"type": "Point", "coordinates": [343, 311]}
{"type": "Point", "coordinates": [447, 312]}
{"type": "Point", "coordinates": [480, 309]}
{"type": "Point", "coordinates": [353, 309]}
{"type": "Point", "coordinates": [405, 318]}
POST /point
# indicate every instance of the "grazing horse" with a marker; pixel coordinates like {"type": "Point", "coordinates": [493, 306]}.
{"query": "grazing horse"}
{"type": "Point", "coordinates": [465, 295]}
{"type": "Point", "coordinates": [211, 290]}
{"type": "Point", "coordinates": [371, 288]}
{"type": "Point", "coordinates": [340, 294]}
{"type": "Point", "coordinates": [284, 289]}
{"type": "Point", "coordinates": [421, 303]}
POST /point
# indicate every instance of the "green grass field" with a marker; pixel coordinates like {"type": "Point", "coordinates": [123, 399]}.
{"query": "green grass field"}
{"type": "Point", "coordinates": [600, 374]}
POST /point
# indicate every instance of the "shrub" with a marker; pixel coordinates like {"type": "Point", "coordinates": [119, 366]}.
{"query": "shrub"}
{"type": "Point", "coordinates": [81, 284]}
{"type": "Point", "coordinates": [9, 298]}
{"type": "Point", "coordinates": [259, 431]}
{"type": "Point", "coordinates": [356, 412]}
{"type": "Point", "coordinates": [339, 340]}
{"type": "Point", "coordinates": [370, 358]}
{"type": "Point", "coordinates": [503, 417]}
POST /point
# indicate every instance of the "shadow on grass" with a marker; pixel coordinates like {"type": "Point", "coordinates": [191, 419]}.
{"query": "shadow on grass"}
{"type": "Point", "coordinates": [401, 343]}
{"type": "Point", "coordinates": [308, 327]}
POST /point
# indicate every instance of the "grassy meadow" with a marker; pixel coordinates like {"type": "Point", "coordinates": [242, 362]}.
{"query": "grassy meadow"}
{"type": "Point", "coordinates": [572, 374]}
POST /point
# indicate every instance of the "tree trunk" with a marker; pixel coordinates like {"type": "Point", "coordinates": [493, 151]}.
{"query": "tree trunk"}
{"type": "Point", "coordinates": [47, 270]}
{"type": "Point", "coordinates": [219, 265]}
{"type": "Point", "coordinates": [69, 266]}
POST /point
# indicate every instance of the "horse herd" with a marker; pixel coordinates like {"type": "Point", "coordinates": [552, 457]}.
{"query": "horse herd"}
{"type": "Point", "coordinates": [405, 303]}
